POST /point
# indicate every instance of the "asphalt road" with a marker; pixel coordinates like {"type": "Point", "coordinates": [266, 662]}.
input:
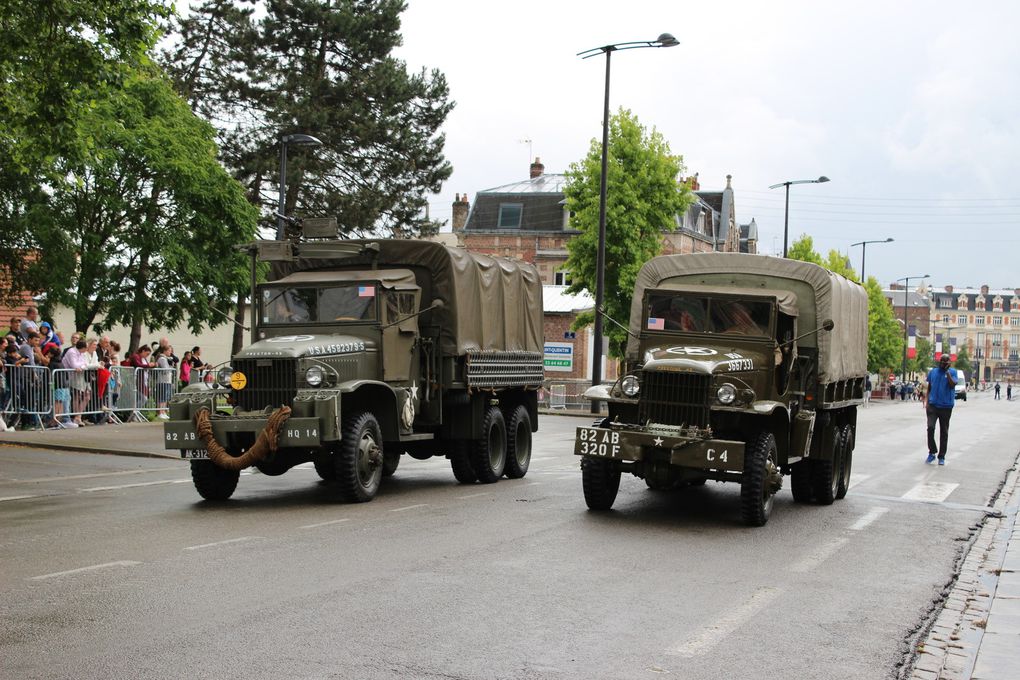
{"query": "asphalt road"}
{"type": "Point", "coordinates": [112, 567]}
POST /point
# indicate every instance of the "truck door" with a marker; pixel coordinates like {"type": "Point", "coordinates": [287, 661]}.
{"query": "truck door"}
{"type": "Point", "coordinates": [399, 340]}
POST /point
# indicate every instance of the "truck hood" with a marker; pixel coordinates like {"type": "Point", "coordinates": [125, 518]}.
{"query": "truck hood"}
{"type": "Point", "coordinates": [305, 345]}
{"type": "Point", "coordinates": [707, 359]}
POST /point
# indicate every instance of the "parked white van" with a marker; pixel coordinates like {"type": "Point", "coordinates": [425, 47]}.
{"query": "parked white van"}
{"type": "Point", "coordinates": [961, 386]}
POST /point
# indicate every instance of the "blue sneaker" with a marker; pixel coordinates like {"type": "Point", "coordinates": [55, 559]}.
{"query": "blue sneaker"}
{"type": "Point", "coordinates": [942, 461]}
{"type": "Point", "coordinates": [930, 459]}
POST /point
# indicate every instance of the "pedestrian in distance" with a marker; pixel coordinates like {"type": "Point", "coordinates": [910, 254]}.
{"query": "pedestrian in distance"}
{"type": "Point", "coordinates": [1009, 391]}
{"type": "Point", "coordinates": [867, 391]}
{"type": "Point", "coordinates": [941, 399]}
{"type": "Point", "coordinates": [997, 389]}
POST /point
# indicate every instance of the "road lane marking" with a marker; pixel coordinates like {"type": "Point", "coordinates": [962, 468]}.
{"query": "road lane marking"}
{"type": "Point", "coordinates": [868, 518]}
{"type": "Point", "coordinates": [716, 631]}
{"type": "Point", "coordinates": [409, 507]}
{"type": "Point", "coordinates": [323, 524]}
{"type": "Point", "coordinates": [229, 540]}
{"type": "Point", "coordinates": [475, 495]}
{"type": "Point", "coordinates": [822, 553]}
{"type": "Point", "coordinates": [18, 498]}
{"type": "Point", "coordinates": [132, 486]}
{"type": "Point", "coordinates": [931, 492]}
{"type": "Point", "coordinates": [56, 574]}
{"type": "Point", "coordinates": [534, 484]}
{"type": "Point", "coordinates": [92, 476]}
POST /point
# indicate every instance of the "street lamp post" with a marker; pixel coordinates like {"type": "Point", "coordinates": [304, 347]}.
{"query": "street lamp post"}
{"type": "Point", "coordinates": [864, 250]}
{"type": "Point", "coordinates": [906, 293]}
{"type": "Point", "coordinates": [285, 140]}
{"type": "Point", "coordinates": [664, 40]}
{"type": "Point", "coordinates": [786, 218]}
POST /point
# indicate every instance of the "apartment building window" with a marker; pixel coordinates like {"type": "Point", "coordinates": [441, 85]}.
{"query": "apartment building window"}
{"type": "Point", "coordinates": [945, 319]}
{"type": "Point", "coordinates": [979, 320]}
{"type": "Point", "coordinates": [996, 339]}
{"type": "Point", "coordinates": [980, 304]}
{"type": "Point", "coordinates": [961, 319]}
{"type": "Point", "coordinates": [510, 215]}
{"type": "Point", "coordinates": [562, 278]}
{"type": "Point", "coordinates": [1014, 340]}
{"type": "Point", "coordinates": [1014, 321]}
{"type": "Point", "coordinates": [996, 320]}
{"type": "Point", "coordinates": [946, 302]}
{"type": "Point", "coordinates": [1013, 356]}
{"type": "Point", "coordinates": [997, 305]}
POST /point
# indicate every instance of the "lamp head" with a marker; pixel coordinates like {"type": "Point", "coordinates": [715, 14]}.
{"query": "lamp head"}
{"type": "Point", "coordinates": [821, 179]}
{"type": "Point", "coordinates": [667, 40]}
{"type": "Point", "coordinates": [301, 140]}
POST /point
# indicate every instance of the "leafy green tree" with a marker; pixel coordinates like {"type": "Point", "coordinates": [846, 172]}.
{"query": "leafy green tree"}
{"type": "Point", "coordinates": [644, 196]}
{"type": "Point", "coordinates": [55, 55]}
{"type": "Point", "coordinates": [885, 335]}
{"type": "Point", "coordinates": [924, 357]}
{"type": "Point", "coordinates": [963, 361]}
{"type": "Point", "coordinates": [142, 231]}
{"type": "Point", "coordinates": [323, 68]}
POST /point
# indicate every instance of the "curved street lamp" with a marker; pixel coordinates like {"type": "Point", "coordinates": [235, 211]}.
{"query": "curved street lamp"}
{"type": "Point", "coordinates": [786, 218]}
{"type": "Point", "coordinates": [906, 293]}
{"type": "Point", "coordinates": [285, 140]}
{"type": "Point", "coordinates": [864, 250]}
{"type": "Point", "coordinates": [664, 40]}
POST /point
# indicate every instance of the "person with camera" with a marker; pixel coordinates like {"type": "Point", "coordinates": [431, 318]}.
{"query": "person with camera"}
{"type": "Point", "coordinates": [941, 399]}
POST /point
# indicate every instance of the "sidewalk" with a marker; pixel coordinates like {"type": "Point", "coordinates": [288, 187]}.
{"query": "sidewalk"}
{"type": "Point", "coordinates": [130, 439]}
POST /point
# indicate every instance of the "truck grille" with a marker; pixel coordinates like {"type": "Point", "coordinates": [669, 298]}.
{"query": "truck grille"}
{"type": "Point", "coordinates": [271, 382]}
{"type": "Point", "coordinates": [674, 398]}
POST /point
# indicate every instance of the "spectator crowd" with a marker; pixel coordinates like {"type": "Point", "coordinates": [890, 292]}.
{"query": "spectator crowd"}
{"type": "Point", "coordinates": [84, 374]}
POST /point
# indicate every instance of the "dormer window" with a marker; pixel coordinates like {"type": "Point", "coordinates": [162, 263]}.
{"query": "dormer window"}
{"type": "Point", "coordinates": [510, 215]}
{"type": "Point", "coordinates": [979, 304]}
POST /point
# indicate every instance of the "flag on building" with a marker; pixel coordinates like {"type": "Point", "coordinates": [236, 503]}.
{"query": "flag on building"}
{"type": "Point", "coordinates": [952, 349]}
{"type": "Point", "coordinates": [911, 342]}
{"type": "Point", "coordinates": [938, 346]}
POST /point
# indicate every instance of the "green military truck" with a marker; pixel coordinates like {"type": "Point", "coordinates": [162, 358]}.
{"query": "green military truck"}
{"type": "Point", "coordinates": [365, 350]}
{"type": "Point", "coordinates": [739, 368]}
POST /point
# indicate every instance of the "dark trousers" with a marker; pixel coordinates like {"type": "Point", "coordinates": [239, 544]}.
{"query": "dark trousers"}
{"type": "Point", "coordinates": [942, 415]}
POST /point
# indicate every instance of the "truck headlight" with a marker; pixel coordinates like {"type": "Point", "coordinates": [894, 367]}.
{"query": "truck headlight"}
{"type": "Point", "coordinates": [630, 385]}
{"type": "Point", "coordinates": [223, 375]}
{"type": "Point", "coordinates": [314, 376]}
{"type": "Point", "coordinates": [726, 393]}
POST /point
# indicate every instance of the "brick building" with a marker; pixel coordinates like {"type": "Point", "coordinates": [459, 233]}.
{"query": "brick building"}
{"type": "Point", "coordinates": [987, 321]}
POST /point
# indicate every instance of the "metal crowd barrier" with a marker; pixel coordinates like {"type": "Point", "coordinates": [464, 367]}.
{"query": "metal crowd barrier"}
{"type": "Point", "coordinates": [52, 398]}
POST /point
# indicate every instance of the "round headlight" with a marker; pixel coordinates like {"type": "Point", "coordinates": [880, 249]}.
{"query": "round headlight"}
{"type": "Point", "coordinates": [223, 375]}
{"type": "Point", "coordinates": [630, 385]}
{"type": "Point", "coordinates": [314, 376]}
{"type": "Point", "coordinates": [726, 394]}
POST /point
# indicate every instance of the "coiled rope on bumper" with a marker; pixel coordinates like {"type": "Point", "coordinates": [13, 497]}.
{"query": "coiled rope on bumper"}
{"type": "Point", "coordinates": [265, 444]}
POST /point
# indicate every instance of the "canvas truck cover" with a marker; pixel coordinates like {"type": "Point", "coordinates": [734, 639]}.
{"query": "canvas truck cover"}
{"type": "Point", "coordinates": [489, 303]}
{"type": "Point", "coordinates": [819, 294]}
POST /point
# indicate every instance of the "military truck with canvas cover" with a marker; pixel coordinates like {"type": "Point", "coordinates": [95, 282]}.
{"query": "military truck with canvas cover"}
{"type": "Point", "coordinates": [739, 368]}
{"type": "Point", "coordinates": [363, 351]}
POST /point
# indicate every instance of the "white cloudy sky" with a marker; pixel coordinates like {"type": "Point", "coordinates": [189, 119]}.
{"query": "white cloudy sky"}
{"type": "Point", "coordinates": [911, 108]}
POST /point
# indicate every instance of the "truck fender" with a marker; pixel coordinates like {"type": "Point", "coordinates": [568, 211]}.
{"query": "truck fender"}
{"type": "Point", "coordinates": [377, 398]}
{"type": "Point", "coordinates": [778, 423]}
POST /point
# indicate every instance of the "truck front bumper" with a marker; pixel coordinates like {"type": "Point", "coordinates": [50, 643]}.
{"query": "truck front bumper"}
{"type": "Point", "coordinates": [312, 423]}
{"type": "Point", "coordinates": [631, 445]}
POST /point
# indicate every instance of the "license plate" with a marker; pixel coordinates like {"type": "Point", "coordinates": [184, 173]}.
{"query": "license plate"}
{"type": "Point", "coordinates": [194, 454]}
{"type": "Point", "coordinates": [590, 441]}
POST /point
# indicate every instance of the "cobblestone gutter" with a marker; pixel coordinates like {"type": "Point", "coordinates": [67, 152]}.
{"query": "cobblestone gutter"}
{"type": "Point", "coordinates": [948, 644]}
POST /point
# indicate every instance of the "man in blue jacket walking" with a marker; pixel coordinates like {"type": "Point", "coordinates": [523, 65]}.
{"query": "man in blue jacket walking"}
{"type": "Point", "coordinates": [941, 399]}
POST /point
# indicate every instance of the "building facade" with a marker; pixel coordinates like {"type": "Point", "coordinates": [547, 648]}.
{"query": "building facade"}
{"type": "Point", "coordinates": [987, 322]}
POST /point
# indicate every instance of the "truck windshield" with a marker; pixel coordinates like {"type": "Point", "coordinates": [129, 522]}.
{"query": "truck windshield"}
{"type": "Point", "coordinates": [700, 314]}
{"type": "Point", "coordinates": [318, 304]}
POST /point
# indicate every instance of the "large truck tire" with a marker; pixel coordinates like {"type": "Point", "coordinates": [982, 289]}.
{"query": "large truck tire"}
{"type": "Point", "coordinates": [846, 461]}
{"type": "Point", "coordinates": [391, 459]}
{"type": "Point", "coordinates": [757, 485]}
{"type": "Point", "coordinates": [359, 460]}
{"type": "Point", "coordinates": [460, 462]}
{"type": "Point", "coordinates": [213, 483]}
{"type": "Point", "coordinates": [518, 443]}
{"type": "Point", "coordinates": [601, 481]}
{"type": "Point", "coordinates": [825, 473]}
{"type": "Point", "coordinates": [800, 481]}
{"type": "Point", "coordinates": [488, 454]}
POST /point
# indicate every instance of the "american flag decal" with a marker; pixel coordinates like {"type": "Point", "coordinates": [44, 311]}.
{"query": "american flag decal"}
{"type": "Point", "coordinates": [366, 291]}
{"type": "Point", "coordinates": [655, 324]}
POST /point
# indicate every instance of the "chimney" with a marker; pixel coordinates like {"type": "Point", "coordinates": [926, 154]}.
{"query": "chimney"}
{"type": "Point", "coordinates": [984, 290]}
{"type": "Point", "coordinates": [949, 289]}
{"type": "Point", "coordinates": [537, 168]}
{"type": "Point", "coordinates": [460, 212]}
{"type": "Point", "coordinates": [693, 183]}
